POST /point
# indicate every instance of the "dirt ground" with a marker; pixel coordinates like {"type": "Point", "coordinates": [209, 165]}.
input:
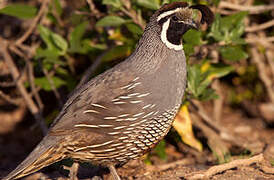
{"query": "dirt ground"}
{"type": "Point", "coordinates": [182, 163]}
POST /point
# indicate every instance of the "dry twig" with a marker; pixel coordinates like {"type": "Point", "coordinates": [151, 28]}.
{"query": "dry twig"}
{"type": "Point", "coordinates": [53, 87]}
{"type": "Point", "coordinates": [30, 75]}
{"type": "Point", "coordinates": [88, 73]}
{"type": "Point", "coordinates": [260, 27]}
{"type": "Point", "coordinates": [174, 164]}
{"type": "Point", "coordinates": [93, 9]}
{"type": "Point", "coordinates": [257, 58]}
{"type": "Point", "coordinates": [223, 167]}
{"type": "Point", "coordinates": [15, 74]}
{"type": "Point", "coordinates": [266, 42]}
{"type": "Point", "coordinates": [218, 103]}
{"type": "Point", "coordinates": [133, 15]}
{"type": "Point", "coordinates": [34, 23]}
{"type": "Point", "coordinates": [251, 9]}
{"type": "Point", "coordinates": [10, 100]}
{"type": "Point", "coordinates": [214, 141]}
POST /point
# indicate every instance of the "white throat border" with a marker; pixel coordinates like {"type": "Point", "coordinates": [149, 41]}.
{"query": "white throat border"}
{"type": "Point", "coordinates": [164, 37]}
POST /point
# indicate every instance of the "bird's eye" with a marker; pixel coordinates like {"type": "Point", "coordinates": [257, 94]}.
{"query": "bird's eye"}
{"type": "Point", "coordinates": [174, 18]}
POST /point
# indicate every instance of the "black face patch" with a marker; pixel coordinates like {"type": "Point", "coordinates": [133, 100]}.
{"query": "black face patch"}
{"type": "Point", "coordinates": [175, 31]}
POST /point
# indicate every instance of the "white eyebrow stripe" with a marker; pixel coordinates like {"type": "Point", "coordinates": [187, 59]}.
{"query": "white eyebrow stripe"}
{"type": "Point", "coordinates": [167, 13]}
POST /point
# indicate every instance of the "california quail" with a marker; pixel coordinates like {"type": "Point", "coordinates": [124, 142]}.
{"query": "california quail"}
{"type": "Point", "coordinates": [124, 112]}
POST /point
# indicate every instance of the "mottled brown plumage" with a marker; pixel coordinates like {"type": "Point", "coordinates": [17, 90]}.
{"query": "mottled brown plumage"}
{"type": "Point", "coordinates": [123, 113]}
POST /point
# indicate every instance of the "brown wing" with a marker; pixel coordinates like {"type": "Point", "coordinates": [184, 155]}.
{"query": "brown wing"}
{"type": "Point", "coordinates": [105, 108]}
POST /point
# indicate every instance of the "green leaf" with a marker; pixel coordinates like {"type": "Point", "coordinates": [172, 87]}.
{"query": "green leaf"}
{"type": "Point", "coordinates": [233, 53]}
{"type": "Point", "coordinates": [208, 94]}
{"type": "Point", "coordinates": [160, 150]}
{"type": "Point", "coordinates": [75, 38]}
{"type": "Point", "coordinates": [229, 22]}
{"type": "Point", "coordinates": [44, 83]}
{"type": "Point", "coordinates": [50, 53]}
{"type": "Point", "coordinates": [229, 28]}
{"type": "Point", "coordinates": [58, 7]}
{"type": "Point", "coordinates": [56, 44]}
{"type": "Point", "coordinates": [45, 35]}
{"type": "Point", "coordinates": [192, 37]}
{"type": "Point", "coordinates": [110, 21]}
{"type": "Point", "coordinates": [20, 11]}
{"type": "Point", "coordinates": [134, 28]}
{"type": "Point", "coordinates": [116, 53]}
{"type": "Point", "coordinates": [200, 76]}
{"type": "Point", "coordinates": [60, 42]}
{"type": "Point", "coordinates": [188, 49]}
{"type": "Point", "coordinates": [150, 4]}
{"type": "Point", "coordinates": [194, 75]}
{"type": "Point", "coordinates": [219, 70]}
{"type": "Point", "coordinates": [114, 3]}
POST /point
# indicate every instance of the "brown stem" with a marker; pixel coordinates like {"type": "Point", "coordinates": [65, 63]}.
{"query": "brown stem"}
{"type": "Point", "coordinates": [251, 9]}
{"type": "Point", "coordinates": [223, 167]}
{"type": "Point", "coordinates": [15, 74]}
{"type": "Point", "coordinates": [34, 23]}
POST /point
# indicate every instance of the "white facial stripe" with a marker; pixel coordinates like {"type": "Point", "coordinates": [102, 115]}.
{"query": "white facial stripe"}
{"type": "Point", "coordinates": [189, 23]}
{"type": "Point", "coordinates": [164, 38]}
{"type": "Point", "coordinates": [167, 13]}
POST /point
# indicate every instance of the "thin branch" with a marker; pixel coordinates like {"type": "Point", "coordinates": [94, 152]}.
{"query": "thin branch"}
{"type": "Point", "coordinates": [30, 75]}
{"type": "Point", "coordinates": [133, 15]}
{"type": "Point", "coordinates": [33, 23]}
{"type": "Point", "coordinates": [252, 9]}
{"type": "Point", "coordinates": [269, 57]}
{"type": "Point", "coordinates": [264, 41]}
{"type": "Point", "coordinates": [93, 9]}
{"type": "Point", "coordinates": [257, 58]}
{"type": "Point", "coordinates": [215, 142]}
{"type": "Point", "coordinates": [13, 83]}
{"type": "Point", "coordinates": [222, 131]}
{"type": "Point", "coordinates": [223, 167]}
{"type": "Point", "coordinates": [15, 74]}
{"type": "Point", "coordinates": [260, 27]}
{"type": "Point", "coordinates": [88, 73]}
{"type": "Point", "coordinates": [218, 103]}
{"type": "Point", "coordinates": [10, 100]}
{"type": "Point", "coordinates": [8, 84]}
{"type": "Point", "coordinates": [174, 164]}
{"type": "Point", "coordinates": [53, 87]}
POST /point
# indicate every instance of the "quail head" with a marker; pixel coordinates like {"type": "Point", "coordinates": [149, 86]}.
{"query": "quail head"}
{"type": "Point", "coordinates": [124, 112]}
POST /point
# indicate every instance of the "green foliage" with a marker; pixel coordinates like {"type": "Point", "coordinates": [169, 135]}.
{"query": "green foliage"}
{"type": "Point", "coordinates": [160, 150]}
{"type": "Point", "coordinates": [115, 3]}
{"type": "Point", "coordinates": [56, 44]}
{"type": "Point", "coordinates": [233, 53]}
{"type": "Point", "coordinates": [110, 21]}
{"type": "Point", "coordinates": [228, 29]}
{"type": "Point", "coordinates": [200, 77]}
{"type": "Point", "coordinates": [58, 7]}
{"type": "Point", "coordinates": [191, 39]}
{"type": "Point", "coordinates": [116, 53]}
{"type": "Point", "coordinates": [150, 4]}
{"type": "Point", "coordinates": [76, 42]}
{"type": "Point", "coordinates": [45, 84]}
{"type": "Point", "coordinates": [20, 11]}
{"type": "Point", "coordinates": [133, 28]}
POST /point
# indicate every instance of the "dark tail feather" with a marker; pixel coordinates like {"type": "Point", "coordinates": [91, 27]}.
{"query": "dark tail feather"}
{"type": "Point", "coordinates": [43, 155]}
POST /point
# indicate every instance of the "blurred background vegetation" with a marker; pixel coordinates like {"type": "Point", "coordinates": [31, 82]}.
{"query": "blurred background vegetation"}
{"type": "Point", "coordinates": [50, 47]}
